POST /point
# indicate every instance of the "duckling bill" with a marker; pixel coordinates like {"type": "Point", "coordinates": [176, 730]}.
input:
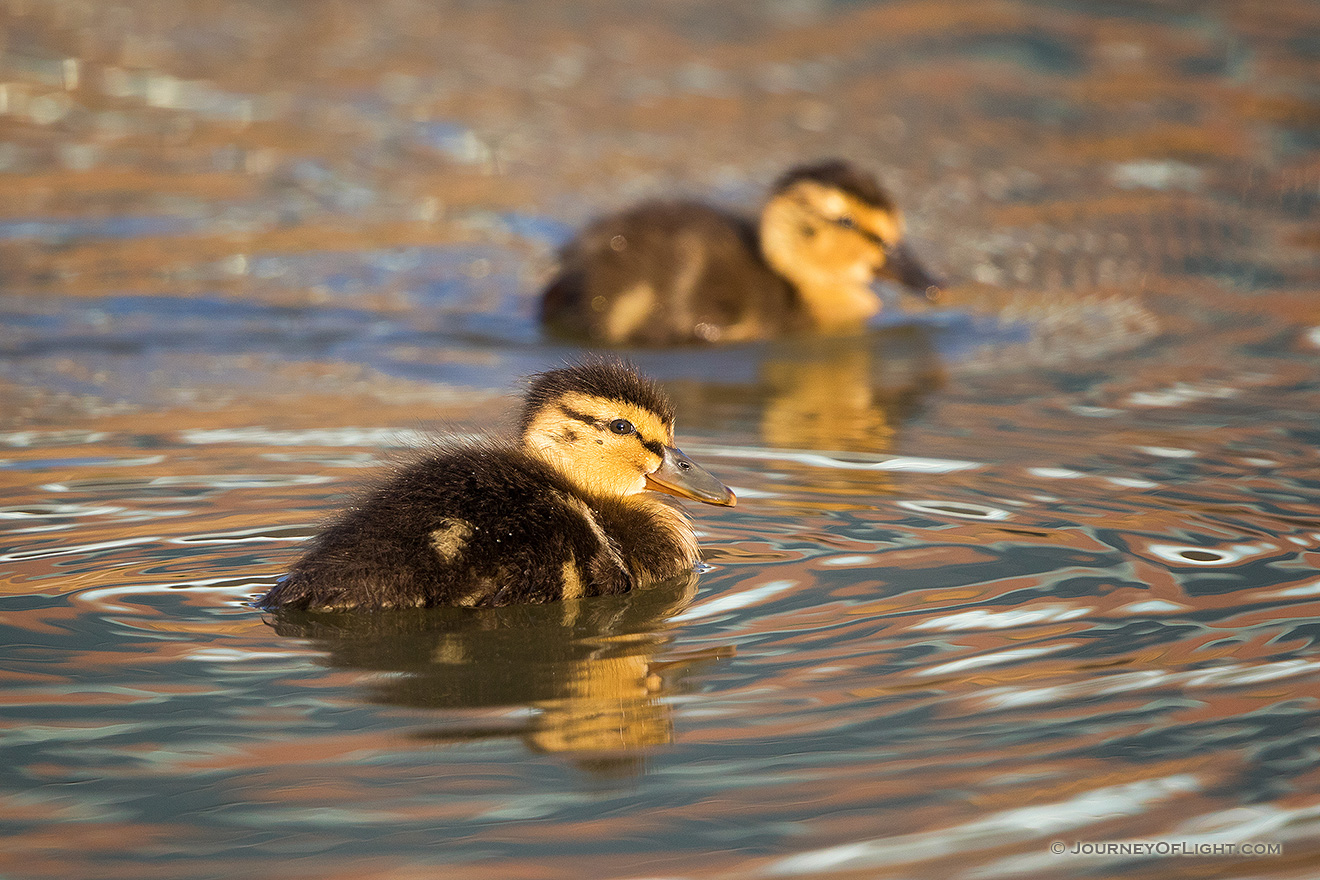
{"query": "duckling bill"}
{"type": "Point", "coordinates": [666, 273]}
{"type": "Point", "coordinates": [567, 510]}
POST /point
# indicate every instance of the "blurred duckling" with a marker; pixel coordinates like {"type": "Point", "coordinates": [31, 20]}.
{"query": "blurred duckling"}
{"type": "Point", "coordinates": [562, 513]}
{"type": "Point", "coordinates": [667, 273]}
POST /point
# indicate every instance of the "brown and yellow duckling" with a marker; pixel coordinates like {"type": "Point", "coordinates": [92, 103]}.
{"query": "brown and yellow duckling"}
{"type": "Point", "coordinates": [564, 512]}
{"type": "Point", "coordinates": [666, 273]}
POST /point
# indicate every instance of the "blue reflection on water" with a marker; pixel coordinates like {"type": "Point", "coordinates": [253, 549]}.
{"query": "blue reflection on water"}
{"type": "Point", "coordinates": [116, 227]}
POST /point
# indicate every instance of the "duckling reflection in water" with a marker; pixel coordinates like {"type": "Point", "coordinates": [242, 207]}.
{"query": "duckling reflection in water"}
{"type": "Point", "coordinates": [594, 672]}
{"type": "Point", "coordinates": [563, 513]}
{"type": "Point", "coordinates": [666, 273]}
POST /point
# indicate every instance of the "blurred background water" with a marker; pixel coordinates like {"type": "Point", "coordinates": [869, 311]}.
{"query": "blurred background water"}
{"type": "Point", "coordinates": [1037, 566]}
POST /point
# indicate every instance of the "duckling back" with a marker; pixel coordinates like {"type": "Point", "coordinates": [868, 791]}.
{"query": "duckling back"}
{"type": "Point", "coordinates": [482, 526]}
{"type": "Point", "coordinates": [667, 273]}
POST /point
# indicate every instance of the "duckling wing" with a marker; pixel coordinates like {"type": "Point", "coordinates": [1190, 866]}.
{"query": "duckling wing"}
{"type": "Point", "coordinates": [666, 273]}
{"type": "Point", "coordinates": [476, 527]}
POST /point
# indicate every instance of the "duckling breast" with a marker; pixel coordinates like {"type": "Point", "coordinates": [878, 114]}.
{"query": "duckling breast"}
{"type": "Point", "coordinates": [655, 538]}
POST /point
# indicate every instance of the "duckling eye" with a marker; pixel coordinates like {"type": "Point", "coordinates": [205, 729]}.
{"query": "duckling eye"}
{"type": "Point", "coordinates": [621, 426]}
{"type": "Point", "coordinates": [847, 222]}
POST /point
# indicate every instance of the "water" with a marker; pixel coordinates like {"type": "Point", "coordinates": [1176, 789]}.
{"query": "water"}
{"type": "Point", "coordinates": [1033, 571]}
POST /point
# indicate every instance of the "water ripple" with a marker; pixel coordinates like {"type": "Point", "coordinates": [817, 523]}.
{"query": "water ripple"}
{"type": "Point", "coordinates": [1007, 826]}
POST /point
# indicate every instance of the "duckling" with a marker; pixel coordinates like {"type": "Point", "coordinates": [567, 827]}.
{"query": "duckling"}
{"type": "Point", "coordinates": [561, 513]}
{"type": "Point", "coordinates": [667, 273]}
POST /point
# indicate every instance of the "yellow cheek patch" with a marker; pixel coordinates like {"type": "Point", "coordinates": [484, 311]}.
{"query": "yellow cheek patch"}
{"type": "Point", "coordinates": [553, 427]}
{"type": "Point", "coordinates": [573, 434]}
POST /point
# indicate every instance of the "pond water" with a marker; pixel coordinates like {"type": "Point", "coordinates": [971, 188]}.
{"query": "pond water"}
{"type": "Point", "coordinates": [1009, 581]}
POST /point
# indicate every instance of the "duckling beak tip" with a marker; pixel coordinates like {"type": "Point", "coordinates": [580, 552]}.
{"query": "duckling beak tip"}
{"type": "Point", "coordinates": [724, 499]}
{"type": "Point", "coordinates": [904, 267]}
{"type": "Point", "coordinates": [682, 477]}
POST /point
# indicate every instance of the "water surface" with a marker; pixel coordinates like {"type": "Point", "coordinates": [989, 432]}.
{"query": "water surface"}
{"type": "Point", "coordinates": [1037, 567]}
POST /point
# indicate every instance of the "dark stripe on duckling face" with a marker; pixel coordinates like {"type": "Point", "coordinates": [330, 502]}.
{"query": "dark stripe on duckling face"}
{"type": "Point", "coordinates": [655, 446]}
{"type": "Point", "coordinates": [883, 238]}
{"type": "Point", "coordinates": [847, 222]}
{"type": "Point", "coordinates": [585, 418]}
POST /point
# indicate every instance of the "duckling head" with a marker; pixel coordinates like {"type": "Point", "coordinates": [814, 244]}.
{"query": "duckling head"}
{"type": "Point", "coordinates": [610, 432]}
{"type": "Point", "coordinates": [831, 230]}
